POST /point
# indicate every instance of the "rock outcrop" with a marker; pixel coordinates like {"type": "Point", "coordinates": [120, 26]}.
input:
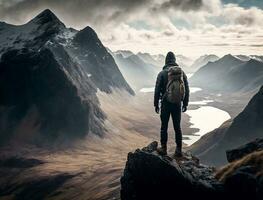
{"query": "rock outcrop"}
{"type": "Point", "coordinates": [244, 174]}
{"type": "Point", "coordinates": [148, 175]}
{"type": "Point", "coordinates": [242, 151]}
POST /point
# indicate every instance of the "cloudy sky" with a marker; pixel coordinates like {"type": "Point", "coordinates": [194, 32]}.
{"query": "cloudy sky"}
{"type": "Point", "coordinates": [189, 27]}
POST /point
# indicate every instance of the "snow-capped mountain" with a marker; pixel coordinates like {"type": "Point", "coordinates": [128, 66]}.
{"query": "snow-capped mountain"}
{"type": "Point", "coordinates": [49, 75]}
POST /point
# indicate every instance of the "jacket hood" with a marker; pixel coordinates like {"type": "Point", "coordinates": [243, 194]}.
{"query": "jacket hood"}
{"type": "Point", "coordinates": [170, 60]}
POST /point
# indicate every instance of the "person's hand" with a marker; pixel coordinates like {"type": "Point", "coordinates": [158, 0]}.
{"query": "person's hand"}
{"type": "Point", "coordinates": [157, 109]}
{"type": "Point", "coordinates": [184, 109]}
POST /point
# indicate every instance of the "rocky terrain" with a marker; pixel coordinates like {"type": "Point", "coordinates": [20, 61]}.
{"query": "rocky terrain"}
{"type": "Point", "coordinates": [49, 76]}
{"type": "Point", "coordinates": [244, 128]}
{"type": "Point", "coordinates": [150, 176]}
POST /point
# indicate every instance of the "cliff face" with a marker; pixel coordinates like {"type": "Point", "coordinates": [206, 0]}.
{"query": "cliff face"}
{"type": "Point", "coordinates": [38, 97]}
{"type": "Point", "coordinates": [150, 176]}
{"type": "Point", "coordinates": [96, 60]}
{"type": "Point", "coordinates": [49, 77]}
{"type": "Point", "coordinates": [247, 126]}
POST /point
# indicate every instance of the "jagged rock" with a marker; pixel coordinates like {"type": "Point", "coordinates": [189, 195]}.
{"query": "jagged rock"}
{"type": "Point", "coordinates": [151, 147]}
{"type": "Point", "coordinates": [99, 63]}
{"type": "Point", "coordinates": [244, 150]}
{"type": "Point", "coordinates": [150, 176]}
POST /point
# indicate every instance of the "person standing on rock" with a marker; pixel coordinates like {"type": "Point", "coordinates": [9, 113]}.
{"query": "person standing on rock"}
{"type": "Point", "coordinates": [173, 90]}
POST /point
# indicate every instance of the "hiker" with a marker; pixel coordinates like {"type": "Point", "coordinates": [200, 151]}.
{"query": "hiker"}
{"type": "Point", "coordinates": [173, 90]}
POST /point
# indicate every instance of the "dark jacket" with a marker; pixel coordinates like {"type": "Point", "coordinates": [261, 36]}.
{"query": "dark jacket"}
{"type": "Point", "coordinates": [162, 80]}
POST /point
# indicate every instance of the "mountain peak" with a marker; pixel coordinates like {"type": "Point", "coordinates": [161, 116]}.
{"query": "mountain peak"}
{"type": "Point", "coordinates": [230, 58]}
{"type": "Point", "coordinates": [47, 16]}
{"type": "Point", "coordinates": [86, 36]}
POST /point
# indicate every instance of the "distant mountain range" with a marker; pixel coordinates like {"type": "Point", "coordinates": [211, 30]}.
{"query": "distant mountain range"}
{"type": "Point", "coordinates": [138, 70]}
{"type": "Point", "coordinates": [49, 75]}
{"type": "Point", "coordinates": [145, 66]}
{"type": "Point", "coordinates": [202, 61]}
{"type": "Point", "coordinates": [230, 74]}
{"type": "Point", "coordinates": [247, 126]}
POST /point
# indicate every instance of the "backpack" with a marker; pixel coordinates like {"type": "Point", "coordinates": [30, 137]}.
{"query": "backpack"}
{"type": "Point", "coordinates": [175, 89]}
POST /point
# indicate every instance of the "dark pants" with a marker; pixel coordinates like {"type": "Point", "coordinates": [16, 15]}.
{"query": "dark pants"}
{"type": "Point", "coordinates": [168, 109]}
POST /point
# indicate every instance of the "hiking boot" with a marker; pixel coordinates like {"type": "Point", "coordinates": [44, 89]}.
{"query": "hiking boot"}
{"type": "Point", "coordinates": [178, 153]}
{"type": "Point", "coordinates": [162, 150]}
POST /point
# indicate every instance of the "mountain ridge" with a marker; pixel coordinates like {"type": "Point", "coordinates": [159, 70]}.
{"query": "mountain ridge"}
{"type": "Point", "coordinates": [229, 74]}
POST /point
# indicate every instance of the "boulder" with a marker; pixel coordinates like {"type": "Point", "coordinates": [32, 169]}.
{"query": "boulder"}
{"type": "Point", "coordinates": [240, 152]}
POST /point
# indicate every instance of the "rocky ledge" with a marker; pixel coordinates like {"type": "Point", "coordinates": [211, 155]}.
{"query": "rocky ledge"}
{"type": "Point", "coordinates": [148, 175]}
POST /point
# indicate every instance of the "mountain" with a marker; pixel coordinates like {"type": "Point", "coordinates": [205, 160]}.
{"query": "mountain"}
{"type": "Point", "coordinates": [136, 71]}
{"type": "Point", "coordinates": [147, 58]}
{"type": "Point", "coordinates": [256, 57]}
{"type": "Point", "coordinates": [159, 58]}
{"type": "Point", "coordinates": [185, 63]}
{"type": "Point", "coordinates": [124, 53]}
{"type": "Point", "coordinates": [247, 58]}
{"type": "Point", "coordinates": [247, 126]}
{"type": "Point", "coordinates": [94, 57]}
{"type": "Point", "coordinates": [202, 61]}
{"type": "Point", "coordinates": [230, 74]}
{"type": "Point", "coordinates": [49, 76]}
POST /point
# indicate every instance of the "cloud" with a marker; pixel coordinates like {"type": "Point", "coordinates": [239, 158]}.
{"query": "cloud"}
{"type": "Point", "coordinates": [91, 11]}
{"type": "Point", "coordinates": [241, 16]}
{"type": "Point", "coordinates": [78, 12]}
{"type": "Point", "coordinates": [184, 5]}
{"type": "Point", "coordinates": [190, 27]}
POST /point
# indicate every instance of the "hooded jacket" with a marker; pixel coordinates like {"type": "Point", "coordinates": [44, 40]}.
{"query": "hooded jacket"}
{"type": "Point", "coordinates": [162, 80]}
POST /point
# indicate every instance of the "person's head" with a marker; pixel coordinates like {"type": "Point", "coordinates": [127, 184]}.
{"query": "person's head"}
{"type": "Point", "coordinates": [170, 59]}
